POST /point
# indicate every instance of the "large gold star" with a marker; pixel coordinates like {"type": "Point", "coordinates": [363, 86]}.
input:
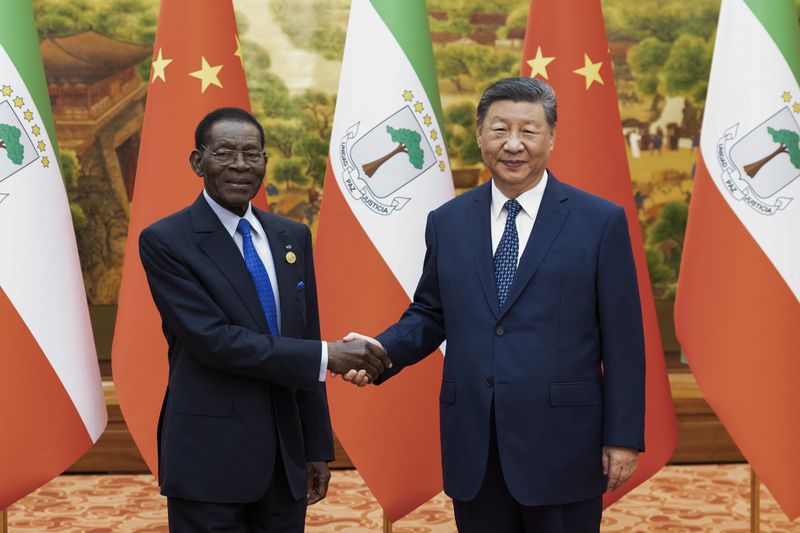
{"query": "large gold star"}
{"type": "Point", "coordinates": [28, 115]}
{"type": "Point", "coordinates": [238, 52]}
{"type": "Point", "coordinates": [418, 107]}
{"type": "Point", "coordinates": [539, 64]}
{"type": "Point", "coordinates": [36, 130]}
{"type": "Point", "coordinates": [41, 146]}
{"type": "Point", "coordinates": [408, 95]}
{"type": "Point", "coordinates": [19, 102]}
{"type": "Point", "coordinates": [591, 71]}
{"type": "Point", "coordinates": [787, 96]}
{"type": "Point", "coordinates": [160, 67]}
{"type": "Point", "coordinates": [207, 74]}
{"type": "Point", "coordinates": [6, 90]}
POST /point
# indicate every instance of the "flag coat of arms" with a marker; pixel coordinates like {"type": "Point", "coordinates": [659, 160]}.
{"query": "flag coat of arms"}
{"type": "Point", "coordinates": [738, 303]}
{"type": "Point", "coordinates": [52, 402]}
{"type": "Point", "coordinates": [388, 168]}
{"type": "Point", "coordinates": [566, 45]}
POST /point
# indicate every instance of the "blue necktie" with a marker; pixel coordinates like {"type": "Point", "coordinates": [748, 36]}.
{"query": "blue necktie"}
{"type": "Point", "coordinates": [505, 257]}
{"type": "Point", "coordinates": [260, 277]}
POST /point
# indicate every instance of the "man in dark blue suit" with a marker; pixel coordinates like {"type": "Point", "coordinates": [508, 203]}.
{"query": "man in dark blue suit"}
{"type": "Point", "coordinates": [244, 431]}
{"type": "Point", "coordinates": [532, 283]}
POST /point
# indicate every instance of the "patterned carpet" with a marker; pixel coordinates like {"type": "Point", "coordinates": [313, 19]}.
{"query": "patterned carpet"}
{"type": "Point", "coordinates": [681, 499]}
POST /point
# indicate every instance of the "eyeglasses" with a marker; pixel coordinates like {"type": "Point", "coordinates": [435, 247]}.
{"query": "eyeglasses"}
{"type": "Point", "coordinates": [227, 157]}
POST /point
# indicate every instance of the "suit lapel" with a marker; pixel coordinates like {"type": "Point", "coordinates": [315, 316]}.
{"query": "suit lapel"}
{"type": "Point", "coordinates": [551, 216]}
{"type": "Point", "coordinates": [479, 224]}
{"type": "Point", "coordinates": [218, 245]}
{"type": "Point", "coordinates": [287, 278]}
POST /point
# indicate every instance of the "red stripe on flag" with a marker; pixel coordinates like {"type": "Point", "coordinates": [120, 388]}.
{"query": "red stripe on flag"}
{"type": "Point", "coordinates": [391, 432]}
{"type": "Point", "coordinates": [737, 321]}
{"type": "Point", "coordinates": [43, 434]}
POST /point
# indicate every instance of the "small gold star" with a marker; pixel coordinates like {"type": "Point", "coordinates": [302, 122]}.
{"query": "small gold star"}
{"type": "Point", "coordinates": [19, 102]}
{"type": "Point", "coordinates": [408, 95]}
{"type": "Point", "coordinates": [41, 146]}
{"type": "Point", "coordinates": [207, 74]}
{"type": "Point", "coordinates": [539, 64]}
{"type": "Point", "coordinates": [796, 107]}
{"type": "Point", "coordinates": [427, 120]}
{"type": "Point", "coordinates": [36, 130]}
{"type": "Point", "coordinates": [418, 107]}
{"type": "Point", "coordinates": [45, 161]}
{"type": "Point", "coordinates": [441, 166]}
{"type": "Point", "coordinates": [591, 71]}
{"type": "Point", "coordinates": [28, 115]}
{"type": "Point", "coordinates": [6, 90]}
{"type": "Point", "coordinates": [438, 150]}
{"type": "Point", "coordinates": [160, 67]}
{"type": "Point", "coordinates": [786, 96]}
{"type": "Point", "coordinates": [238, 52]}
{"type": "Point", "coordinates": [434, 135]}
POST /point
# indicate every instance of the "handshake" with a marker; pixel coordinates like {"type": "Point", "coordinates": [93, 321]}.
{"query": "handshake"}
{"type": "Point", "coordinates": [359, 359]}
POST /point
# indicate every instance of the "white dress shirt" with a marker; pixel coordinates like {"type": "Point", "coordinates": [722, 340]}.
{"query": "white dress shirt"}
{"type": "Point", "coordinates": [530, 201]}
{"type": "Point", "coordinates": [230, 221]}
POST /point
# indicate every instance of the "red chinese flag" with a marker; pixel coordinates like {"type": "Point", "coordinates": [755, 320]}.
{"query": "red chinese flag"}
{"type": "Point", "coordinates": [197, 67]}
{"type": "Point", "coordinates": [566, 45]}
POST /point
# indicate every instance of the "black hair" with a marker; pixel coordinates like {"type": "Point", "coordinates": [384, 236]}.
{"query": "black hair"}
{"type": "Point", "coordinates": [222, 114]}
{"type": "Point", "coordinates": [531, 90]}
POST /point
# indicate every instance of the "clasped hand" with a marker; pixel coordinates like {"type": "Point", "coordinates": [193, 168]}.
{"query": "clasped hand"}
{"type": "Point", "coordinates": [359, 359]}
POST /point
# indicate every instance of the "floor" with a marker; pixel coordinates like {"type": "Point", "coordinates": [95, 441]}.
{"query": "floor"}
{"type": "Point", "coordinates": [708, 498]}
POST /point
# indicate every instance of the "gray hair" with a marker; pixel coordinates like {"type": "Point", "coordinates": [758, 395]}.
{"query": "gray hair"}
{"type": "Point", "coordinates": [531, 90]}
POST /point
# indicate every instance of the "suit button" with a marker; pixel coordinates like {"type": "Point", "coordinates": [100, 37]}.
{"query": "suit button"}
{"type": "Point", "coordinates": [489, 382]}
{"type": "Point", "coordinates": [499, 331]}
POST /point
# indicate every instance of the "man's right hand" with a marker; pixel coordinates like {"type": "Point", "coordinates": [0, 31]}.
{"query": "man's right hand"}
{"type": "Point", "coordinates": [355, 355]}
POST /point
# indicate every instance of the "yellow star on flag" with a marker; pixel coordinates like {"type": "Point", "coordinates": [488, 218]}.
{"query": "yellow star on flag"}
{"type": "Point", "coordinates": [441, 166]}
{"type": "Point", "coordinates": [45, 161]}
{"type": "Point", "coordinates": [36, 130]}
{"type": "Point", "coordinates": [408, 95]}
{"type": "Point", "coordinates": [160, 67]}
{"type": "Point", "coordinates": [207, 74]}
{"type": "Point", "coordinates": [786, 96]}
{"type": "Point", "coordinates": [796, 107]}
{"type": "Point", "coordinates": [41, 146]}
{"type": "Point", "coordinates": [427, 120]}
{"type": "Point", "coordinates": [438, 150]}
{"type": "Point", "coordinates": [28, 115]}
{"type": "Point", "coordinates": [539, 64]}
{"type": "Point", "coordinates": [418, 107]}
{"type": "Point", "coordinates": [19, 102]}
{"type": "Point", "coordinates": [434, 135]}
{"type": "Point", "coordinates": [591, 71]}
{"type": "Point", "coordinates": [238, 52]}
{"type": "Point", "coordinates": [6, 90]}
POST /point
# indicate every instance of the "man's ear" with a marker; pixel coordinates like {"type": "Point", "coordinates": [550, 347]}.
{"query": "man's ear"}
{"type": "Point", "coordinates": [194, 160]}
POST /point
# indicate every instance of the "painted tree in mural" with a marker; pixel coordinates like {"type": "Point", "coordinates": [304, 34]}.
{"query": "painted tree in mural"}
{"type": "Point", "coordinates": [9, 140]}
{"type": "Point", "coordinates": [789, 144]}
{"type": "Point", "coordinates": [408, 141]}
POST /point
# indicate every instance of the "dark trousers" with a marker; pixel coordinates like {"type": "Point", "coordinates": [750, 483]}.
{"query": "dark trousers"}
{"type": "Point", "coordinates": [494, 509]}
{"type": "Point", "coordinates": [276, 512]}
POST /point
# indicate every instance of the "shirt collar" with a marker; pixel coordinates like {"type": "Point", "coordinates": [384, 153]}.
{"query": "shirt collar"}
{"type": "Point", "coordinates": [231, 220]}
{"type": "Point", "coordinates": [529, 200]}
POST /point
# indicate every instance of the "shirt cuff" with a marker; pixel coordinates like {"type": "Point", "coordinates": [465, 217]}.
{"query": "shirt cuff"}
{"type": "Point", "coordinates": [323, 362]}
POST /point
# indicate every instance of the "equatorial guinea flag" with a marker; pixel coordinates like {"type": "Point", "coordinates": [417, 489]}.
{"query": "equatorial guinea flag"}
{"type": "Point", "coordinates": [387, 169]}
{"type": "Point", "coordinates": [51, 398]}
{"type": "Point", "coordinates": [566, 45]}
{"type": "Point", "coordinates": [197, 67]}
{"type": "Point", "coordinates": [738, 306]}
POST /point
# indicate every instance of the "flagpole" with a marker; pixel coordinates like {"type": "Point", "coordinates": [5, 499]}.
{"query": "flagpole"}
{"type": "Point", "coordinates": [4, 521]}
{"type": "Point", "coordinates": [387, 525]}
{"type": "Point", "coordinates": [755, 502]}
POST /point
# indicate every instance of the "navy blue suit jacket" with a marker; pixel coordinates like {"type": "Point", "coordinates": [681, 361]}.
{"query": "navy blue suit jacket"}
{"type": "Point", "coordinates": [563, 361]}
{"type": "Point", "coordinates": [235, 392]}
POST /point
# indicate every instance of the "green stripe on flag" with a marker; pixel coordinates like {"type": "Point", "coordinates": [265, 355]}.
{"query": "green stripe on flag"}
{"type": "Point", "coordinates": [19, 39]}
{"type": "Point", "coordinates": [779, 18]}
{"type": "Point", "coordinates": [408, 22]}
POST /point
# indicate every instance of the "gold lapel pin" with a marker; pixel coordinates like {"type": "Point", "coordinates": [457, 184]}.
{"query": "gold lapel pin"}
{"type": "Point", "coordinates": [290, 258]}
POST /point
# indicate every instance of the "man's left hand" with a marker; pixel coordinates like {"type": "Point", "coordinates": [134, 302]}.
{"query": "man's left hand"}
{"type": "Point", "coordinates": [619, 464]}
{"type": "Point", "coordinates": [318, 478]}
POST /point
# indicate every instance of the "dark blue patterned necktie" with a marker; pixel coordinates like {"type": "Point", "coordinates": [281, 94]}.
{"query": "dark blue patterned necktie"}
{"type": "Point", "coordinates": [505, 257]}
{"type": "Point", "coordinates": [260, 277]}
